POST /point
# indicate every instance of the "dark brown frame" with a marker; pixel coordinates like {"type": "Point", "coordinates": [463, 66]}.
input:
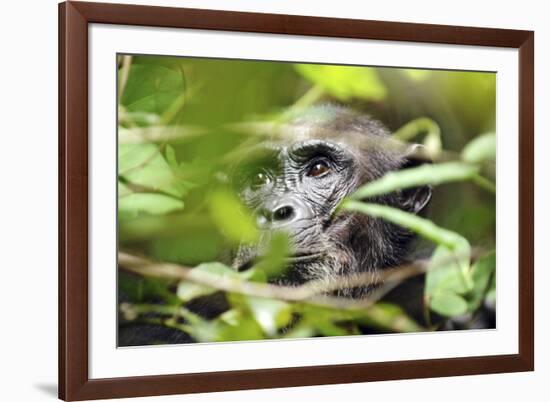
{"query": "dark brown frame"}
{"type": "Point", "coordinates": [74, 17]}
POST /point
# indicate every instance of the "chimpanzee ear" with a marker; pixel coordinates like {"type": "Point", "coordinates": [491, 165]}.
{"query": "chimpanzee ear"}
{"type": "Point", "coordinates": [415, 199]}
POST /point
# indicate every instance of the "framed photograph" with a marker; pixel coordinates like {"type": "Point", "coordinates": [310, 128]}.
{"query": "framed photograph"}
{"type": "Point", "coordinates": [259, 200]}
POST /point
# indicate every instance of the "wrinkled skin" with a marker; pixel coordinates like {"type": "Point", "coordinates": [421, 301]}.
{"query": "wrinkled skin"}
{"type": "Point", "coordinates": [295, 185]}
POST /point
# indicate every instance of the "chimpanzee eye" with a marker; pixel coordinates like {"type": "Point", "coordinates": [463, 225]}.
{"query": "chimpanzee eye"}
{"type": "Point", "coordinates": [259, 179]}
{"type": "Point", "coordinates": [318, 169]}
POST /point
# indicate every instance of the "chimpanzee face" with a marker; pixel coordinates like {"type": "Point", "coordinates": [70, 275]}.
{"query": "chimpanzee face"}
{"type": "Point", "coordinates": [296, 188]}
{"type": "Point", "coordinates": [295, 185]}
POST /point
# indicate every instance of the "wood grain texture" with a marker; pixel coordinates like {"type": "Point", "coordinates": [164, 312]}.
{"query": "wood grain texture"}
{"type": "Point", "coordinates": [74, 382]}
{"type": "Point", "coordinates": [73, 201]}
{"type": "Point", "coordinates": [298, 25]}
{"type": "Point", "coordinates": [526, 261]}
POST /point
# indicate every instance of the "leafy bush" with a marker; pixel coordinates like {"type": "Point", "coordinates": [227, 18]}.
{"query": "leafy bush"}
{"type": "Point", "coordinates": [183, 120]}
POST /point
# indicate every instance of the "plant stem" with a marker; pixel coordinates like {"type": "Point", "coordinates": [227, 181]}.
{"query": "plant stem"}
{"type": "Point", "coordinates": [484, 183]}
{"type": "Point", "coordinates": [125, 72]}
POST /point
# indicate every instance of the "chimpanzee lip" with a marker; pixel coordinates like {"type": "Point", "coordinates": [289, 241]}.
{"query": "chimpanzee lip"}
{"type": "Point", "coordinates": [304, 256]}
{"type": "Point", "coordinates": [296, 257]}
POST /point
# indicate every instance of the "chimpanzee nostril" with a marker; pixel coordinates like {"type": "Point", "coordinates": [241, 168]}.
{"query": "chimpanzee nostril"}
{"type": "Point", "coordinates": [283, 213]}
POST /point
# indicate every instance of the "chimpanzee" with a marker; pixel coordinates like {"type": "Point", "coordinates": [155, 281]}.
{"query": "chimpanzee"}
{"type": "Point", "coordinates": [294, 183]}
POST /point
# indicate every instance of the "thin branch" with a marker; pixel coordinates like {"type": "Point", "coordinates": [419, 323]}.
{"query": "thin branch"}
{"type": "Point", "coordinates": [125, 72]}
{"type": "Point", "coordinates": [145, 162]}
{"type": "Point", "coordinates": [314, 292]}
{"type": "Point", "coordinates": [484, 183]}
{"type": "Point", "coordinates": [158, 134]}
{"type": "Point", "coordinates": [311, 96]}
{"type": "Point", "coordinates": [140, 188]}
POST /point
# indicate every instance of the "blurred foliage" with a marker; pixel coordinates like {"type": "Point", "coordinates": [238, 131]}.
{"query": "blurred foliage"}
{"type": "Point", "coordinates": [177, 139]}
{"type": "Point", "coordinates": [345, 82]}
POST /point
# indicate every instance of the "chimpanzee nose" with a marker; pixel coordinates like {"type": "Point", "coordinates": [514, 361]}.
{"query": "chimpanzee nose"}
{"type": "Point", "coordinates": [282, 212]}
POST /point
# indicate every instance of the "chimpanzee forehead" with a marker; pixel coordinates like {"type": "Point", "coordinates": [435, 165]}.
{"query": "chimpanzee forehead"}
{"type": "Point", "coordinates": [280, 150]}
{"type": "Point", "coordinates": [346, 136]}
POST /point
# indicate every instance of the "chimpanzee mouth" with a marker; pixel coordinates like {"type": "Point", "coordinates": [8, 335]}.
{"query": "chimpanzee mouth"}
{"type": "Point", "coordinates": [304, 257]}
{"type": "Point", "coordinates": [293, 259]}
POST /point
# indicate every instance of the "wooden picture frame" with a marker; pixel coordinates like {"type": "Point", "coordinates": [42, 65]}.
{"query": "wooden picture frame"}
{"type": "Point", "coordinates": [74, 19]}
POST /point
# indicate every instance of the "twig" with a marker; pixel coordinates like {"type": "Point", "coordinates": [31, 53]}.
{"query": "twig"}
{"type": "Point", "coordinates": [125, 72]}
{"type": "Point", "coordinates": [139, 188]}
{"type": "Point", "coordinates": [313, 292]}
{"type": "Point", "coordinates": [484, 183]}
{"type": "Point", "coordinates": [158, 134]}
{"type": "Point", "coordinates": [311, 96]}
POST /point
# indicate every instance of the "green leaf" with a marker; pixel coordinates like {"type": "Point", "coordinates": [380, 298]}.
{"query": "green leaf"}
{"type": "Point", "coordinates": [131, 286]}
{"type": "Point", "coordinates": [231, 317]}
{"type": "Point", "coordinates": [238, 323]}
{"type": "Point", "coordinates": [491, 296]}
{"type": "Point", "coordinates": [188, 291]}
{"type": "Point", "coordinates": [232, 218]}
{"type": "Point", "coordinates": [123, 190]}
{"type": "Point", "coordinates": [416, 74]}
{"type": "Point", "coordinates": [448, 280]}
{"type": "Point", "coordinates": [254, 275]}
{"type": "Point", "coordinates": [448, 304]}
{"type": "Point", "coordinates": [137, 118]}
{"type": "Point", "coordinates": [171, 157]}
{"type": "Point", "coordinates": [482, 272]}
{"type": "Point", "coordinates": [191, 247]}
{"type": "Point", "coordinates": [144, 165]}
{"type": "Point", "coordinates": [190, 317]}
{"type": "Point", "coordinates": [145, 289]}
{"type": "Point", "coordinates": [273, 262]}
{"type": "Point", "coordinates": [152, 88]}
{"type": "Point", "coordinates": [270, 314]}
{"type": "Point", "coordinates": [132, 156]}
{"type": "Point", "coordinates": [204, 331]}
{"type": "Point", "coordinates": [300, 330]}
{"type": "Point", "coordinates": [417, 176]}
{"type": "Point", "coordinates": [321, 320]}
{"type": "Point", "coordinates": [217, 268]}
{"type": "Point", "coordinates": [480, 149]}
{"type": "Point", "coordinates": [158, 134]}
{"type": "Point", "coordinates": [448, 277]}
{"type": "Point", "coordinates": [155, 204]}
{"type": "Point", "coordinates": [388, 316]}
{"type": "Point", "coordinates": [330, 328]}
{"type": "Point", "coordinates": [246, 329]}
{"type": "Point", "coordinates": [419, 126]}
{"type": "Point", "coordinates": [345, 82]}
{"type": "Point", "coordinates": [422, 226]}
{"type": "Point", "coordinates": [448, 271]}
